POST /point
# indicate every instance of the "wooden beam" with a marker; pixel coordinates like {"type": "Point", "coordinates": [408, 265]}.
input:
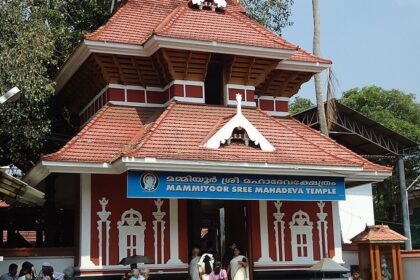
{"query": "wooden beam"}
{"type": "Point", "coordinates": [163, 65]}
{"type": "Point", "coordinates": [117, 64]}
{"type": "Point", "coordinates": [229, 67]}
{"type": "Point", "coordinates": [273, 77]}
{"type": "Point", "coordinates": [249, 70]}
{"type": "Point", "coordinates": [372, 261]}
{"type": "Point", "coordinates": [395, 263]}
{"type": "Point", "coordinates": [271, 67]}
{"type": "Point", "coordinates": [207, 66]}
{"type": "Point", "coordinates": [169, 63]}
{"type": "Point", "coordinates": [135, 65]}
{"type": "Point", "coordinates": [187, 64]}
{"type": "Point", "coordinates": [378, 263]}
{"type": "Point", "coordinates": [292, 77]}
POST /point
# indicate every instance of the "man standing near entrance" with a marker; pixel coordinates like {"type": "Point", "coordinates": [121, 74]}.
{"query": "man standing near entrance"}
{"type": "Point", "coordinates": [12, 274]}
{"type": "Point", "coordinates": [195, 259]}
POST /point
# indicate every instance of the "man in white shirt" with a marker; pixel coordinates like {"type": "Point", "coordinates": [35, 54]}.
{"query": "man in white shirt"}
{"type": "Point", "coordinates": [12, 274]}
{"type": "Point", "coordinates": [56, 275]}
{"type": "Point", "coordinates": [195, 259]}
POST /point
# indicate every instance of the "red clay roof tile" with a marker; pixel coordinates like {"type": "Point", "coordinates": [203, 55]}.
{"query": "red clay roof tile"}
{"type": "Point", "coordinates": [136, 21]}
{"type": "Point", "coordinates": [178, 133]}
{"type": "Point", "coordinates": [378, 233]}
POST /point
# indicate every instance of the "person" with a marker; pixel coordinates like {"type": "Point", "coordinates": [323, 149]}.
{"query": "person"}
{"type": "Point", "coordinates": [27, 271]}
{"type": "Point", "coordinates": [205, 265]}
{"type": "Point", "coordinates": [46, 269]}
{"type": "Point", "coordinates": [144, 273]}
{"type": "Point", "coordinates": [356, 275]}
{"type": "Point", "coordinates": [47, 273]}
{"type": "Point", "coordinates": [12, 274]}
{"type": "Point", "coordinates": [129, 274]}
{"type": "Point", "coordinates": [238, 266]}
{"type": "Point", "coordinates": [195, 259]}
{"type": "Point", "coordinates": [218, 272]}
{"type": "Point", "coordinates": [228, 256]}
{"type": "Point", "coordinates": [135, 274]}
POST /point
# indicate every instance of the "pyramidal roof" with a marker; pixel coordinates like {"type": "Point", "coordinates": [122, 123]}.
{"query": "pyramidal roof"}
{"type": "Point", "coordinates": [139, 20]}
{"type": "Point", "coordinates": [378, 234]}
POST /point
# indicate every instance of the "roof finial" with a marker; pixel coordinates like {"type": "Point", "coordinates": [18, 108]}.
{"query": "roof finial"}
{"type": "Point", "coordinates": [239, 103]}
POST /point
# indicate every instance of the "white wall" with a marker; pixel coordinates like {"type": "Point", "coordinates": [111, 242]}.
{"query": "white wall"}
{"type": "Point", "coordinates": [58, 263]}
{"type": "Point", "coordinates": [356, 211]}
{"type": "Point", "coordinates": [411, 268]}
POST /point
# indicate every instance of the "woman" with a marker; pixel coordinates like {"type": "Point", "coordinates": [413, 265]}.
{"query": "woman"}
{"type": "Point", "coordinates": [238, 266]}
{"type": "Point", "coordinates": [27, 272]}
{"type": "Point", "coordinates": [205, 266]}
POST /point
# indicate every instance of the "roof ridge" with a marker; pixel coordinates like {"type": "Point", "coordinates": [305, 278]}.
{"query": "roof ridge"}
{"type": "Point", "coordinates": [169, 20]}
{"type": "Point", "coordinates": [258, 27]}
{"type": "Point", "coordinates": [303, 138]}
{"type": "Point", "coordinates": [153, 128]}
{"type": "Point", "coordinates": [80, 133]}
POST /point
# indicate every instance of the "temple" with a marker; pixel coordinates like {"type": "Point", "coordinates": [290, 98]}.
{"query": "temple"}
{"type": "Point", "coordinates": [185, 139]}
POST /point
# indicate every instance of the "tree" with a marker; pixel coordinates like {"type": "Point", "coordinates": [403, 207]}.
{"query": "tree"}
{"type": "Point", "coordinates": [299, 104]}
{"type": "Point", "coordinates": [393, 108]}
{"type": "Point", "coordinates": [317, 77]}
{"type": "Point", "coordinates": [35, 38]}
{"type": "Point", "coordinates": [26, 48]}
{"type": "Point", "coordinates": [273, 14]}
{"type": "Point", "coordinates": [400, 112]}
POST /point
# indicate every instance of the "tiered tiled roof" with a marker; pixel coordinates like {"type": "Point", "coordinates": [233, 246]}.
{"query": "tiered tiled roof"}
{"type": "Point", "coordinates": [138, 20]}
{"type": "Point", "coordinates": [378, 234]}
{"type": "Point", "coordinates": [180, 131]}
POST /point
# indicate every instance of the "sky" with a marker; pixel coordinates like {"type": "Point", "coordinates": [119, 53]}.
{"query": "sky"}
{"type": "Point", "coordinates": [371, 42]}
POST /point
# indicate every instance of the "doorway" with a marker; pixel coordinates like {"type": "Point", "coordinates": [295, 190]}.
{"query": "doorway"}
{"type": "Point", "coordinates": [216, 224]}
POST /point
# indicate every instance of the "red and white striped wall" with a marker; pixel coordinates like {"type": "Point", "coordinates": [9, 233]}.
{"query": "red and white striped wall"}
{"type": "Point", "coordinates": [283, 234]}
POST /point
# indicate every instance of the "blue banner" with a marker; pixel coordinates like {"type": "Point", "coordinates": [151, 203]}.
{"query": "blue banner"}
{"type": "Point", "coordinates": [147, 184]}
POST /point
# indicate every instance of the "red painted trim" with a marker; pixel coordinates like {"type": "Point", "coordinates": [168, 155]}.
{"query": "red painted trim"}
{"type": "Point", "coordinates": [194, 91]}
{"type": "Point", "coordinates": [266, 105]}
{"type": "Point", "coordinates": [178, 90]}
{"type": "Point", "coordinates": [250, 96]}
{"type": "Point", "coordinates": [136, 96]}
{"type": "Point", "coordinates": [116, 94]}
{"type": "Point", "coordinates": [282, 106]}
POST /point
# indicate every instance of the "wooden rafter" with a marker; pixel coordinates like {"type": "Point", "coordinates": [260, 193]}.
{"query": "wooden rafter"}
{"type": "Point", "coordinates": [121, 73]}
{"type": "Point", "coordinates": [168, 61]}
{"type": "Point", "coordinates": [187, 64]}
{"type": "Point", "coordinates": [292, 76]}
{"type": "Point", "coordinates": [135, 65]}
{"type": "Point", "coordinates": [156, 70]}
{"type": "Point", "coordinates": [274, 75]}
{"type": "Point", "coordinates": [162, 67]}
{"type": "Point", "coordinates": [272, 65]}
{"type": "Point", "coordinates": [251, 64]}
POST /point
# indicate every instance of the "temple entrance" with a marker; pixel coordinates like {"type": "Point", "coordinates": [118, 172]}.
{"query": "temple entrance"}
{"type": "Point", "coordinates": [216, 224]}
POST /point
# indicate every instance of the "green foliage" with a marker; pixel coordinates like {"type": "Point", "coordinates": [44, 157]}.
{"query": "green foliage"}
{"type": "Point", "coordinates": [273, 14]}
{"type": "Point", "coordinates": [394, 109]}
{"type": "Point", "coordinates": [26, 47]}
{"type": "Point", "coordinates": [300, 104]}
{"type": "Point", "coordinates": [400, 112]}
{"type": "Point", "coordinates": [35, 38]}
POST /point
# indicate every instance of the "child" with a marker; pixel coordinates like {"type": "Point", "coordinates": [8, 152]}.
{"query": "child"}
{"type": "Point", "coordinates": [218, 272]}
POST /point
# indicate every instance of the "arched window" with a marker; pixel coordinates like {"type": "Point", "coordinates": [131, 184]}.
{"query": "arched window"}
{"type": "Point", "coordinates": [131, 234]}
{"type": "Point", "coordinates": [302, 242]}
